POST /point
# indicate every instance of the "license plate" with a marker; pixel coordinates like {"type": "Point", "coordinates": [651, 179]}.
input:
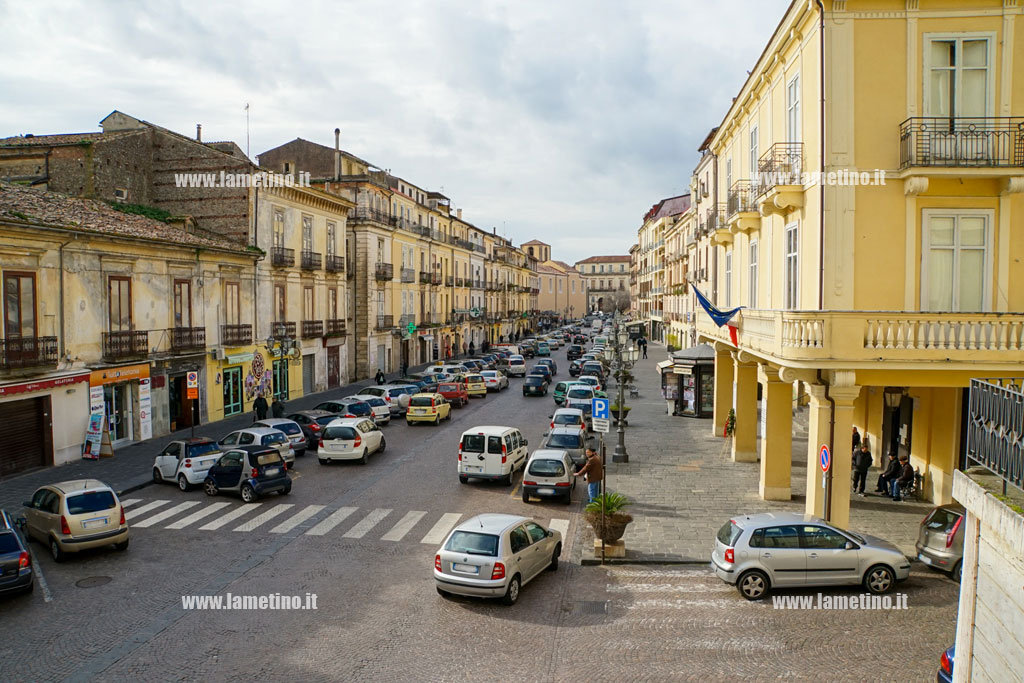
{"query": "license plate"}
{"type": "Point", "coordinates": [417, 411]}
{"type": "Point", "coordinates": [467, 568]}
{"type": "Point", "coordinates": [270, 471]}
{"type": "Point", "coordinates": [93, 523]}
{"type": "Point", "coordinates": [546, 492]}
{"type": "Point", "coordinates": [471, 468]}
{"type": "Point", "coordinates": [924, 558]}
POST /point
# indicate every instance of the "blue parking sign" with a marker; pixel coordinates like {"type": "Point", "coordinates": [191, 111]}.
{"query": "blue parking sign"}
{"type": "Point", "coordinates": [599, 409]}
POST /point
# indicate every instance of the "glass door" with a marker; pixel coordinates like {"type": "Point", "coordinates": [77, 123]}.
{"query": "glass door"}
{"type": "Point", "coordinates": [118, 404]}
{"type": "Point", "coordinates": [232, 391]}
{"type": "Point", "coordinates": [281, 380]}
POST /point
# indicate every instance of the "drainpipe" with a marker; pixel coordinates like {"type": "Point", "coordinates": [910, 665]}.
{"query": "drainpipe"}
{"type": "Point", "coordinates": [60, 256]}
{"type": "Point", "coordinates": [827, 510]}
{"type": "Point", "coordinates": [255, 265]}
{"type": "Point", "coordinates": [821, 183]}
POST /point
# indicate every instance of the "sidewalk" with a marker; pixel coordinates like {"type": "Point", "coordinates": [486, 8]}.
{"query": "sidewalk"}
{"type": "Point", "coordinates": [684, 485]}
{"type": "Point", "coordinates": [131, 467]}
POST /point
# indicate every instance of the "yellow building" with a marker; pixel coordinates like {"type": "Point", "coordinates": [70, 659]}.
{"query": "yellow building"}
{"type": "Point", "coordinates": [877, 262]}
{"type": "Point", "coordinates": [651, 276]}
{"type": "Point", "coordinates": [607, 280]}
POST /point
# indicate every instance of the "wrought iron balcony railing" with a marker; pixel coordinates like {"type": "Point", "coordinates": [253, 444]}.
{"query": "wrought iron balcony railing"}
{"type": "Point", "coordinates": [335, 327]}
{"type": "Point", "coordinates": [282, 329]}
{"type": "Point", "coordinates": [364, 214]}
{"type": "Point", "coordinates": [27, 352]}
{"type": "Point", "coordinates": [235, 335]}
{"type": "Point", "coordinates": [310, 260]}
{"type": "Point", "coordinates": [311, 329]}
{"type": "Point", "coordinates": [424, 277]}
{"type": "Point", "coordinates": [408, 275]}
{"type": "Point", "coordinates": [405, 319]}
{"type": "Point", "coordinates": [742, 197]}
{"type": "Point", "coordinates": [125, 344]}
{"type": "Point", "coordinates": [188, 339]}
{"type": "Point", "coordinates": [281, 257]}
{"type": "Point", "coordinates": [385, 322]}
{"type": "Point", "coordinates": [782, 164]}
{"type": "Point", "coordinates": [334, 264]}
{"type": "Point", "coordinates": [384, 272]}
{"type": "Point", "coordinates": [963, 142]}
{"type": "Point", "coordinates": [436, 279]}
{"type": "Point", "coordinates": [993, 428]}
{"type": "Point", "coordinates": [450, 281]}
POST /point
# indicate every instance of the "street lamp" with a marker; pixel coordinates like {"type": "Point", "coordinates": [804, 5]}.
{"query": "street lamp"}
{"type": "Point", "coordinates": [621, 358]}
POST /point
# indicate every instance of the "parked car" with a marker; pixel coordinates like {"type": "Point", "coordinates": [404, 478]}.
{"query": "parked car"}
{"type": "Point", "coordinates": [575, 368]}
{"type": "Point", "coordinates": [379, 408]}
{"type": "Point", "coordinates": [494, 556]}
{"type": "Point", "coordinates": [946, 661]}
{"type": "Point", "coordinates": [76, 515]}
{"type": "Point", "coordinates": [16, 574]}
{"type": "Point", "coordinates": [594, 368]}
{"type": "Point", "coordinates": [516, 366]}
{"type": "Point", "coordinates": [312, 422]}
{"type": "Point", "coordinates": [549, 473]}
{"type": "Point", "coordinates": [454, 393]}
{"type": "Point", "coordinates": [574, 351]}
{"type": "Point", "coordinates": [568, 439]}
{"type": "Point", "coordinates": [495, 380]}
{"type": "Point", "coordinates": [569, 417]}
{"type": "Point", "coordinates": [579, 396]}
{"type": "Point", "coordinates": [260, 436]}
{"type": "Point", "coordinates": [535, 385]}
{"type": "Point", "coordinates": [250, 471]}
{"type": "Point", "coordinates": [392, 394]}
{"type": "Point", "coordinates": [543, 349]}
{"type": "Point", "coordinates": [347, 407]}
{"type": "Point", "coordinates": [592, 380]}
{"type": "Point", "coordinates": [940, 541]}
{"type": "Point", "coordinates": [550, 362]}
{"type": "Point", "coordinates": [290, 428]}
{"type": "Point", "coordinates": [541, 370]}
{"type": "Point", "coordinates": [348, 438]}
{"type": "Point", "coordinates": [758, 553]}
{"type": "Point", "coordinates": [186, 461]}
{"type": "Point", "coordinates": [473, 365]}
{"type": "Point", "coordinates": [491, 453]}
{"type": "Point", "coordinates": [476, 386]}
{"type": "Point", "coordinates": [428, 408]}
{"type": "Point", "coordinates": [559, 392]}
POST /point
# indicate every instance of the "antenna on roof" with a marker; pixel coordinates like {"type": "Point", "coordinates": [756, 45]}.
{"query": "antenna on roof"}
{"type": "Point", "coordinates": [247, 130]}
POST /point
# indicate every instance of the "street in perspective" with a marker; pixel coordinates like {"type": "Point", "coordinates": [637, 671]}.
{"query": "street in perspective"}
{"type": "Point", "coordinates": [513, 341]}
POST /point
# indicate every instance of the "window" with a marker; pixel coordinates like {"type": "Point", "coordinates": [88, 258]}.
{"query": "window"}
{"type": "Point", "coordinates": [559, 286]}
{"type": "Point", "coordinates": [278, 228]}
{"type": "Point", "coordinates": [753, 155]}
{"type": "Point", "coordinates": [728, 278]}
{"type": "Point", "coordinates": [728, 172]}
{"type": "Point", "coordinates": [957, 78]}
{"type": "Point", "coordinates": [120, 303]}
{"type": "Point", "coordinates": [956, 271]}
{"type": "Point", "coordinates": [573, 284]}
{"type": "Point", "coordinates": [781, 537]}
{"type": "Point", "coordinates": [308, 309]}
{"type": "Point", "coordinates": [307, 233]}
{"type": "Point", "coordinates": [818, 537]}
{"type": "Point", "coordinates": [551, 285]}
{"type": "Point", "coordinates": [752, 293]}
{"type": "Point", "coordinates": [332, 231]}
{"type": "Point", "coordinates": [19, 305]}
{"type": "Point", "coordinates": [793, 109]}
{"type": "Point", "coordinates": [232, 303]}
{"type": "Point", "coordinates": [182, 303]}
{"type": "Point", "coordinates": [332, 303]}
{"type": "Point", "coordinates": [519, 539]}
{"type": "Point", "coordinates": [280, 304]}
{"type": "Point", "coordinates": [791, 264]}
{"type": "Point", "coordinates": [536, 532]}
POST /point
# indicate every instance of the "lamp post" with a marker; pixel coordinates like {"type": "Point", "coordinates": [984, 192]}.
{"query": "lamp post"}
{"type": "Point", "coordinates": [621, 358]}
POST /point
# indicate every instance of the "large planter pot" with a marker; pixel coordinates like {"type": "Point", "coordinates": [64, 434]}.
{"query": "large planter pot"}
{"type": "Point", "coordinates": [608, 528]}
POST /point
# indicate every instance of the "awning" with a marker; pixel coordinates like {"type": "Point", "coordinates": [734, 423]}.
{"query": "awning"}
{"type": "Point", "coordinates": [663, 365]}
{"type": "Point", "coordinates": [233, 358]}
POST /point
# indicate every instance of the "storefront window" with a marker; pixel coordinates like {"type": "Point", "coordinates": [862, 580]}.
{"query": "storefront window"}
{"type": "Point", "coordinates": [281, 380]}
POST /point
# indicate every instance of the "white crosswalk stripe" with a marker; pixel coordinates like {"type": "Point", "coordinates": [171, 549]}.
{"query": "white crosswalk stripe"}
{"type": "Point", "coordinates": [264, 518]}
{"type": "Point", "coordinates": [441, 528]}
{"type": "Point", "coordinates": [166, 514]}
{"type": "Point", "coordinates": [197, 515]}
{"type": "Point", "coordinates": [129, 501]}
{"type": "Point", "coordinates": [367, 523]}
{"type": "Point", "coordinates": [561, 526]}
{"type": "Point", "coordinates": [332, 520]}
{"type": "Point", "coordinates": [297, 519]}
{"type": "Point", "coordinates": [132, 514]}
{"type": "Point", "coordinates": [404, 526]}
{"type": "Point", "coordinates": [230, 517]}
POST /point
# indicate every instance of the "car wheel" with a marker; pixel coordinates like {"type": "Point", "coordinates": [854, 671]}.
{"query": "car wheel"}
{"type": "Point", "coordinates": [526, 496]}
{"type": "Point", "coordinates": [507, 481]}
{"type": "Point", "coordinates": [568, 497]}
{"type": "Point", "coordinates": [56, 552]}
{"type": "Point", "coordinates": [443, 593]}
{"type": "Point", "coordinates": [958, 572]}
{"type": "Point", "coordinates": [753, 585]}
{"type": "Point", "coordinates": [449, 415]}
{"type": "Point", "coordinates": [512, 592]}
{"type": "Point", "coordinates": [365, 459]}
{"type": "Point", "coordinates": [248, 493]}
{"type": "Point", "coordinates": [183, 483]}
{"type": "Point", "coordinates": [463, 479]}
{"type": "Point", "coordinates": [122, 546]}
{"type": "Point", "coordinates": [209, 487]}
{"type": "Point", "coordinates": [285, 491]}
{"type": "Point", "coordinates": [322, 461]}
{"type": "Point", "coordinates": [383, 445]}
{"type": "Point", "coordinates": [157, 477]}
{"type": "Point", "coordinates": [554, 558]}
{"type": "Point", "coordinates": [437, 420]}
{"type": "Point", "coordinates": [879, 579]}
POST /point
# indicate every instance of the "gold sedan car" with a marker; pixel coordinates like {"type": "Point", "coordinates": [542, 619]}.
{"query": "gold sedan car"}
{"type": "Point", "coordinates": [428, 408]}
{"type": "Point", "coordinates": [76, 515]}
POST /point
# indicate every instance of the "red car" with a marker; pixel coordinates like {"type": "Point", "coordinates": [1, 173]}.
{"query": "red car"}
{"type": "Point", "coordinates": [455, 392]}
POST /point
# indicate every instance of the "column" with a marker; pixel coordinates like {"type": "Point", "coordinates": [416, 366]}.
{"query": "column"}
{"type": "Point", "coordinates": [723, 389]}
{"type": "Point", "coordinates": [777, 439]}
{"type": "Point", "coordinates": [818, 416]}
{"type": "Point", "coordinates": [744, 441]}
{"type": "Point", "coordinates": [842, 455]}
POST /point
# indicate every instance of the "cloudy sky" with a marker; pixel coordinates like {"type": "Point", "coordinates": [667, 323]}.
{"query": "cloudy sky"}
{"type": "Point", "coordinates": [563, 120]}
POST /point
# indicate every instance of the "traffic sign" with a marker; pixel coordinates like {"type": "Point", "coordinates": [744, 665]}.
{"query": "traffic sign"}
{"type": "Point", "coordinates": [602, 425]}
{"type": "Point", "coordinates": [192, 385]}
{"type": "Point", "coordinates": [824, 458]}
{"type": "Point", "coordinates": [599, 409]}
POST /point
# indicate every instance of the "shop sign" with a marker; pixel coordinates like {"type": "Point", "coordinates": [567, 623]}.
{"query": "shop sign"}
{"type": "Point", "coordinates": [124, 373]}
{"type": "Point", "coordinates": [145, 410]}
{"type": "Point", "coordinates": [25, 387]}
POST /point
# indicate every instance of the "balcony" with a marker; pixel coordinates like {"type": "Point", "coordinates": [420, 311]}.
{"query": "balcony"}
{"type": "Point", "coordinates": [960, 341]}
{"type": "Point", "coordinates": [335, 328]}
{"type": "Point", "coordinates": [405, 319]}
{"type": "Point", "coordinates": [235, 335]}
{"type": "Point", "coordinates": [186, 339]}
{"type": "Point", "coordinates": [407, 275]}
{"type": "Point", "coordinates": [334, 264]}
{"type": "Point", "coordinates": [436, 279]}
{"type": "Point", "coordinates": [780, 173]}
{"type": "Point", "coordinates": [282, 330]}
{"type": "Point", "coordinates": [126, 344]}
{"type": "Point", "coordinates": [385, 322]}
{"type": "Point", "coordinates": [368, 215]}
{"type": "Point", "coordinates": [477, 284]}
{"type": "Point", "coordinates": [449, 281]}
{"type": "Point", "coordinates": [310, 260]}
{"type": "Point", "coordinates": [962, 142]}
{"type": "Point", "coordinates": [384, 272]}
{"type": "Point", "coordinates": [27, 352]}
{"type": "Point", "coordinates": [741, 207]}
{"type": "Point", "coordinates": [424, 277]}
{"type": "Point", "coordinates": [281, 257]}
{"type": "Point", "coordinates": [312, 329]}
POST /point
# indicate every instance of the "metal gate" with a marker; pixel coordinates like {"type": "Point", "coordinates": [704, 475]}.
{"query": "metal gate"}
{"type": "Point", "coordinates": [26, 434]}
{"type": "Point", "coordinates": [308, 374]}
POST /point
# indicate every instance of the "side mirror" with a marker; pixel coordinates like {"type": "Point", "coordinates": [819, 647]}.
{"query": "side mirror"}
{"type": "Point", "coordinates": [850, 546]}
{"type": "Point", "coordinates": [525, 442]}
{"type": "Point", "coordinates": [550, 533]}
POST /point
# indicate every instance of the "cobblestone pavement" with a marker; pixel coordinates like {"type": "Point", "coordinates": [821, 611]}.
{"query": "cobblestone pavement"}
{"type": "Point", "coordinates": [685, 485]}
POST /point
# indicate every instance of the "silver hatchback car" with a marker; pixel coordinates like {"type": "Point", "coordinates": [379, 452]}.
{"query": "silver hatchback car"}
{"type": "Point", "coordinates": [493, 556]}
{"type": "Point", "coordinates": [757, 553]}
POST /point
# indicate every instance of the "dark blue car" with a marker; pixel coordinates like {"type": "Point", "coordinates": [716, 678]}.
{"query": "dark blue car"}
{"type": "Point", "coordinates": [16, 574]}
{"type": "Point", "coordinates": [945, 673]}
{"type": "Point", "coordinates": [250, 471]}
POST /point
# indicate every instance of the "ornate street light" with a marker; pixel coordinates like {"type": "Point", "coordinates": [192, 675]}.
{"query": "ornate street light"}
{"type": "Point", "coordinates": [621, 355]}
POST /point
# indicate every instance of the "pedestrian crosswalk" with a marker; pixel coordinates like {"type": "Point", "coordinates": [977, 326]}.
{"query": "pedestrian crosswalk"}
{"type": "Point", "coordinates": [347, 522]}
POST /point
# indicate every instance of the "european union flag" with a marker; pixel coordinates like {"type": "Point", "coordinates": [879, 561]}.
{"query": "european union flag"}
{"type": "Point", "coordinates": [719, 316]}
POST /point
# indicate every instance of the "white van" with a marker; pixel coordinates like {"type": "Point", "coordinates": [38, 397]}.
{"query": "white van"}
{"type": "Point", "coordinates": [511, 348]}
{"type": "Point", "coordinates": [491, 453]}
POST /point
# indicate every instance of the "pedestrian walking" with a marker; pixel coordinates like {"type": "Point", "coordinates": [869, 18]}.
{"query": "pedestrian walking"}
{"type": "Point", "coordinates": [277, 408]}
{"type": "Point", "coordinates": [260, 407]}
{"type": "Point", "coordinates": [861, 464]}
{"type": "Point", "coordinates": [379, 377]}
{"type": "Point", "coordinates": [405, 368]}
{"type": "Point", "coordinates": [472, 348]}
{"type": "Point", "coordinates": [594, 471]}
{"type": "Point", "coordinates": [643, 346]}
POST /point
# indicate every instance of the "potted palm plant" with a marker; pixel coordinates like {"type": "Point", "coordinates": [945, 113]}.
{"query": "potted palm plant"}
{"type": "Point", "coordinates": [605, 514]}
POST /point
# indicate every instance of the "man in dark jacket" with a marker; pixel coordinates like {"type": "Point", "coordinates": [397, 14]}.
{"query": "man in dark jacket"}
{"type": "Point", "coordinates": [906, 477]}
{"type": "Point", "coordinates": [892, 470]}
{"type": "Point", "coordinates": [379, 377]}
{"type": "Point", "coordinates": [861, 464]}
{"type": "Point", "coordinates": [260, 406]}
{"type": "Point", "coordinates": [277, 408]}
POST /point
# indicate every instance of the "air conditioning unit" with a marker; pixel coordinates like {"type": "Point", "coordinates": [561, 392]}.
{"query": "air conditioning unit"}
{"type": "Point", "coordinates": [218, 354]}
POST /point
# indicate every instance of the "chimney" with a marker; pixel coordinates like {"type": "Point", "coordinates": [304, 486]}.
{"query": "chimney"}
{"type": "Point", "coordinates": [337, 153]}
{"type": "Point", "coordinates": [199, 132]}
{"type": "Point", "coordinates": [458, 213]}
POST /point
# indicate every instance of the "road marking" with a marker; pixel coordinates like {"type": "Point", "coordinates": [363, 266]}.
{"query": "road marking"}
{"type": "Point", "coordinates": [297, 519]}
{"type": "Point", "coordinates": [161, 516]}
{"type": "Point", "coordinates": [441, 529]}
{"type": "Point", "coordinates": [561, 526]}
{"type": "Point", "coordinates": [367, 523]}
{"type": "Point", "coordinates": [130, 501]}
{"type": "Point", "coordinates": [264, 518]}
{"type": "Point", "coordinates": [38, 571]}
{"type": "Point", "coordinates": [404, 526]}
{"type": "Point", "coordinates": [240, 511]}
{"type": "Point", "coordinates": [332, 520]}
{"type": "Point", "coordinates": [131, 514]}
{"type": "Point", "coordinates": [197, 515]}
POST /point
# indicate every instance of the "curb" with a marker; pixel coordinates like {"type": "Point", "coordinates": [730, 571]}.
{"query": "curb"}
{"type": "Point", "coordinates": [134, 487]}
{"type": "Point", "coordinates": [596, 561]}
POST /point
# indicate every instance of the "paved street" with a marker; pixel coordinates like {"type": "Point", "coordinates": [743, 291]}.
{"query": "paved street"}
{"type": "Point", "coordinates": [362, 539]}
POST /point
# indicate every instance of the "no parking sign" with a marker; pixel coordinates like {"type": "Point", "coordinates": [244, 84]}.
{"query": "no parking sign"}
{"type": "Point", "coordinates": [192, 385]}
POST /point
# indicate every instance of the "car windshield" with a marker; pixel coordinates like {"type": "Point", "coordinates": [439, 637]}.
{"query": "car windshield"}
{"type": "Point", "coordinates": [590, 380]}
{"type": "Point", "coordinates": [273, 439]}
{"type": "Point", "coordinates": [474, 378]}
{"type": "Point", "coordinates": [342, 433]}
{"type": "Point", "coordinates": [565, 441]}
{"type": "Point", "coordinates": [516, 361]}
{"type": "Point", "coordinates": [421, 401]}
{"type": "Point", "coordinates": [447, 387]}
{"type": "Point", "coordinates": [547, 468]}
{"type": "Point", "coordinates": [567, 419]}
{"type": "Point", "coordinates": [534, 380]}
{"type": "Point", "coordinates": [473, 443]}
{"type": "Point", "coordinates": [580, 393]}
{"type": "Point", "coordinates": [268, 458]}
{"type": "Point", "coordinates": [197, 449]}
{"type": "Point", "coordinates": [473, 543]}
{"type": "Point", "coordinates": [93, 501]}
